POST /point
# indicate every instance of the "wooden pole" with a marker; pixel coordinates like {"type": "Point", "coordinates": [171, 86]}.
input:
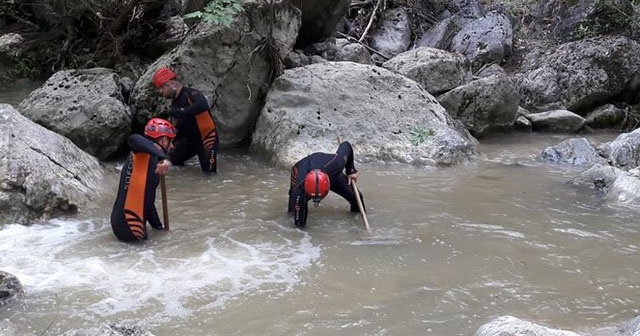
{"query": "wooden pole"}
{"type": "Point", "coordinates": [364, 214]}
{"type": "Point", "coordinates": [165, 208]}
{"type": "Point", "coordinates": [358, 200]}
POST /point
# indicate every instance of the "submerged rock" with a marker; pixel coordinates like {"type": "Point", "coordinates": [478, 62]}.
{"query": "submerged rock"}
{"type": "Point", "coordinates": [577, 152]}
{"type": "Point", "coordinates": [619, 186]}
{"type": "Point", "coordinates": [624, 151]}
{"type": "Point", "coordinates": [10, 288]}
{"type": "Point", "coordinates": [513, 326]}
{"type": "Point", "coordinates": [110, 330]}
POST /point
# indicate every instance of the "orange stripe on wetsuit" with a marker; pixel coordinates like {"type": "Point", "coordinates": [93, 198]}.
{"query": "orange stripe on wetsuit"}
{"type": "Point", "coordinates": [206, 127]}
{"type": "Point", "coordinates": [134, 201]}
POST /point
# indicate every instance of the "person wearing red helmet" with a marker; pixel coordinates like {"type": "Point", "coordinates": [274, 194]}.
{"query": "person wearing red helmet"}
{"type": "Point", "coordinates": [320, 173]}
{"type": "Point", "coordinates": [197, 131]}
{"type": "Point", "coordinates": [135, 203]}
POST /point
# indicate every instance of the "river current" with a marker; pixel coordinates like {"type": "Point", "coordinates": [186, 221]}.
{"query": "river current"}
{"type": "Point", "coordinates": [449, 249]}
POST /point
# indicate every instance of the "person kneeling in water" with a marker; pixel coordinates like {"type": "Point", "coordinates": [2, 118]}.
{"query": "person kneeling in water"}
{"type": "Point", "coordinates": [135, 202]}
{"type": "Point", "coordinates": [322, 172]}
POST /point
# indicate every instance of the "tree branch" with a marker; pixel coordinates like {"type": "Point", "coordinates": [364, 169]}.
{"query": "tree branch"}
{"type": "Point", "coordinates": [373, 16]}
{"type": "Point", "coordinates": [353, 39]}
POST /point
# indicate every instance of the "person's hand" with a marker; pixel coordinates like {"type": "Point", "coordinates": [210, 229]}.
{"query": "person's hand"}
{"type": "Point", "coordinates": [352, 177]}
{"type": "Point", "coordinates": [163, 167]}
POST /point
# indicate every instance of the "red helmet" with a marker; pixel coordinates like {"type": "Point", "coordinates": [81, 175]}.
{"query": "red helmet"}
{"type": "Point", "coordinates": [158, 127]}
{"type": "Point", "coordinates": [162, 76]}
{"type": "Point", "coordinates": [316, 185]}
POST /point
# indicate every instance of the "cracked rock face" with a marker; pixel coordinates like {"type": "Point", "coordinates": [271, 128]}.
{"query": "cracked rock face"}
{"type": "Point", "coordinates": [42, 174]}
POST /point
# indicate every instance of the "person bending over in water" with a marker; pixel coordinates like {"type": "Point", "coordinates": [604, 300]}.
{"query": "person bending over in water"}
{"type": "Point", "coordinates": [322, 172]}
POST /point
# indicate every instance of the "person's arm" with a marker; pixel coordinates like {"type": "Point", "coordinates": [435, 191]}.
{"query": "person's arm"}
{"type": "Point", "coordinates": [345, 149]}
{"type": "Point", "coordinates": [299, 200]}
{"type": "Point", "coordinates": [153, 218]}
{"type": "Point", "coordinates": [342, 160]}
{"type": "Point", "coordinates": [198, 105]}
{"type": "Point", "coordinates": [139, 143]}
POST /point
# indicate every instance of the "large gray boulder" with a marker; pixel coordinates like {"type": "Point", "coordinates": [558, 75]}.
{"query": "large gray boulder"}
{"type": "Point", "coordinates": [438, 71]}
{"type": "Point", "coordinates": [42, 174]}
{"type": "Point", "coordinates": [86, 106]}
{"type": "Point", "coordinates": [10, 288]}
{"type": "Point", "coordinates": [513, 326]}
{"type": "Point", "coordinates": [486, 40]}
{"type": "Point", "coordinates": [484, 105]}
{"type": "Point", "coordinates": [624, 151]}
{"type": "Point", "coordinates": [576, 151]}
{"type": "Point", "coordinates": [384, 115]}
{"type": "Point", "coordinates": [577, 75]}
{"type": "Point", "coordinates": [232, 66]}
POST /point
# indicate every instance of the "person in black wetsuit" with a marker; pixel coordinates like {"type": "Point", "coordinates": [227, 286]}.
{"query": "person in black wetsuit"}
{"type": "Point", "coordinates": [197, 131]}
{"type": "Point", "coordinates": [322, 172]}
{"type": "Point", "coordinates": [135, 202]}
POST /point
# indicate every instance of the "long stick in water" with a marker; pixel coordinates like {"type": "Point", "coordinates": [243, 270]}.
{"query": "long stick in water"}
{"type": "Point", "coordinates": [355, 191]}
{"type": "Point", "coordinates": [165, 208]}
{"type": "Point", "coordinates": [362, 213]}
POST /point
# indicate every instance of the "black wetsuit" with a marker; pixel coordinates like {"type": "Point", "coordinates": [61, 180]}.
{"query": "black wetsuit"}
{"type": "Point", "coordinates": [135, 203]}
{"type": "Point", "coordinates": [335, 165]}
{"type": "Point", "coordinates": [197, 131]}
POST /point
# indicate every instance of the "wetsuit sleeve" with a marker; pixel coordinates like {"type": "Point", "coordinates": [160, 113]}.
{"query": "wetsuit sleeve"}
{"type": "Point", "coordinates": [153, 218]}
{"type": "Point", "coordinates": [139, 143]}
{"type": "Point", "coordinates": [345, 149]}
{"type": "Point", "coordinates": [343, 160]}
{"type": "Point", "coordinates": [198, 105]}
{"type": "Point", "coordinates": [298, 198]}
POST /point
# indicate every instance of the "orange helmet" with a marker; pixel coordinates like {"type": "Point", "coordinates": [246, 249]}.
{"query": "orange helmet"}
{"type": "Point", "coordinates": [317, 185]}
{"type": "Point", "coordinates": [158, 127]}
{"type": "Point", "coordinates": [162, 76]}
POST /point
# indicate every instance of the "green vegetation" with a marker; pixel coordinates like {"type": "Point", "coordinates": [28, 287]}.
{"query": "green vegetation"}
{"type": "Point", "coordinates": [19, 67]}
{"type": "Point", "coordinates": [420, 135]}
{"type": "Point", "coordinates": [613, 15]}
{"type": "Point", "coordinates": [219, 12]}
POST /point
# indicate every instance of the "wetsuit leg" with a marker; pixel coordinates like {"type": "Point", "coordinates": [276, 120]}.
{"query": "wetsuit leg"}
{"type": "Point", "coordinates": [184, 150]}
{"type": "Point", "coordinates": [120, 227]}
{"type": "Point", "coordinates": [208, 160]}
{"type": "Point", "coordinates": [339, 185]}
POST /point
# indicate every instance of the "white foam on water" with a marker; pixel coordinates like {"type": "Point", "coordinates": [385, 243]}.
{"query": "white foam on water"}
{"type": "Point", "coordinates": [80, 264]}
